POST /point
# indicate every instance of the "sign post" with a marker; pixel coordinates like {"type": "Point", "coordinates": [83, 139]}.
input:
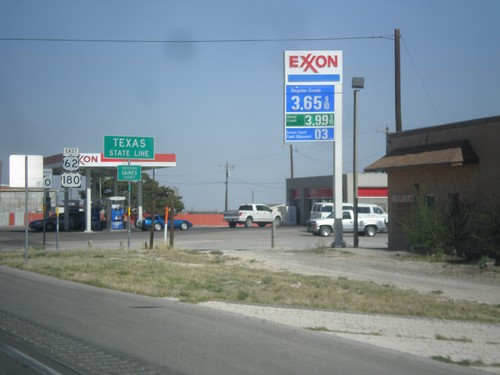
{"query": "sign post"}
{"type": "Point", "coordinates": [313, 110]}
{"type": "Point", "coordinates": [47, 184]}
{"type": "Point", "coordinates": [129, 173]}
{"type": "Point", "coordinates": [70, 178]}
{"type": "Point", "coordinates": [127, 148]}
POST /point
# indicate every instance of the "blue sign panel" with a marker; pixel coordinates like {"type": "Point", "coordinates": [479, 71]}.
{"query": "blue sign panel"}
{"type": "Point", "coordinates": [309, 99]}
{"type": "Point", "coordinates": [314, 78]}
{"type": "Point", "coordinates": [309, 134]}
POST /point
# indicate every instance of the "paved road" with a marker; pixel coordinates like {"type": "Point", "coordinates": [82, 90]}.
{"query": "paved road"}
{"type": "Point", "coordinates": [202, 238]}
{"type": "Point", "coordinates": [96, 331]}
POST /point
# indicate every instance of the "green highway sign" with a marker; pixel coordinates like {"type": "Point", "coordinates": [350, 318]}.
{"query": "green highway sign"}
{"type": "Point", "coordinates": [129, 173]}
{"type": "Point", "coordinates": [126, 147]}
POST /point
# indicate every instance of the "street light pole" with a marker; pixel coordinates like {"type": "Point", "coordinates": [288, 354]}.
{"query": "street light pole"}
{"type": "Point", "coordinates": [357, 84]}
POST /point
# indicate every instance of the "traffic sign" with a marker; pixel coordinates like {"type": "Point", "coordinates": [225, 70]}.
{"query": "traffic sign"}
{"type": "Point", "coordinates": [129, 173]}
{"type": "Point", "coordinates": [313, 91]}
{"type": "Point", "coordinates": [47, 178]}
{"type": "Point", "coordinates": [126, 147]}
{"type": "Point", "coordinates": [71, 180]}
{"type": "Point", "coordinates": [68, 151]}
{"type": "Point", "coordinates": [71, 163]}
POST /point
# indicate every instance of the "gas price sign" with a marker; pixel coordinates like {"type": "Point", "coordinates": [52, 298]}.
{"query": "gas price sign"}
{"type": "Point", "coordinates": [313, 81]}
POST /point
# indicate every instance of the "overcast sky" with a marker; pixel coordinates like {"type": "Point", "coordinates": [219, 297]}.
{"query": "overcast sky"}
{"type": "Point", "coordinates": [155, 68]}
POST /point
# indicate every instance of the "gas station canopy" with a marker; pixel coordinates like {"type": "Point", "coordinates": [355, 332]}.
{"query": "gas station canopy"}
{"type": "Point", "coordinates": [102, 166]}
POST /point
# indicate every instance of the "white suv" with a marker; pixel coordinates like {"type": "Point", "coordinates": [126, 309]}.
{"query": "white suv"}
{"type": "Point", "coordinates": [321, 210]}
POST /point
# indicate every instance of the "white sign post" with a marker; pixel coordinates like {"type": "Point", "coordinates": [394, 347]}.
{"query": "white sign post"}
{"type": "Point", "coordinates": [126, 148]}
{"type": "Point", "coordinates": [313, 110]}
{"type": "Point", "coordinates": [70, 178]}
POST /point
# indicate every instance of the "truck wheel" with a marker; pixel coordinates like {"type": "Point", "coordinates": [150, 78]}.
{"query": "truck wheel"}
{"type": "Point", "coordinates": [277, 221]}
{"type": "Point", "coordinates": [325, 231]}
{"type": "Point", "coordinates": [370, 231]}
{"type": "Point", "coordinates": [248, 222]}
{"type": "Point", "coordinates": [232, 225]}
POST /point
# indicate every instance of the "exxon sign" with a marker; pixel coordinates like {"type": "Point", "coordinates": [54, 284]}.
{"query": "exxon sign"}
{"type": "Point", "coordinates": [326, 66]}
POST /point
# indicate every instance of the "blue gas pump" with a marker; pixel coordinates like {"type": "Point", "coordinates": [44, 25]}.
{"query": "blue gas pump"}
{"type": "Point", "coordinates": [116, 211]}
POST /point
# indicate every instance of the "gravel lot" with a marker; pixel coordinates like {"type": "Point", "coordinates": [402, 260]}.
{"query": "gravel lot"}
{"type": "Point", "coordinates": [458, 341]}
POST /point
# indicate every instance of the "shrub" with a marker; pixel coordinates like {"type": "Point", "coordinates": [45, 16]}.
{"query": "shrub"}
{"type": "Point", "coordinates": [486, 231]}
{"type": "Point", "coordinates": [437, 231]}
{"type": "Point", "coordinates": [425, 228]}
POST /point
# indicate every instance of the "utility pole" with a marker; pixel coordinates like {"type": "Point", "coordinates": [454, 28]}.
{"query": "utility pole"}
{"type": "Point", "coordinates": [386, 132]}
{"type": "Point", "coordinates": [397, 79]}
{"type": "Point", "coordinates": [229, 168]}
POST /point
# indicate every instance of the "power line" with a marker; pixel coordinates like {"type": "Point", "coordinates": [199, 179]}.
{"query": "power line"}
{"type": "Point", "coordinates": [422, 82]}
{"type": "Point", "coordinates": [180, 41]}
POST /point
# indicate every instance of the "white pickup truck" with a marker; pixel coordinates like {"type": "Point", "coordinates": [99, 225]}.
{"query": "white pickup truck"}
{"type": "Point", "coordinates": [369, 226]}
{"type": "Point", "coordinates": [248, 214]}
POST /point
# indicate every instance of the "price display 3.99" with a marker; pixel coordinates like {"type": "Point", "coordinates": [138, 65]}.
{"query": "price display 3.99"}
{"type": "Point", "coordinates": [310, 119]}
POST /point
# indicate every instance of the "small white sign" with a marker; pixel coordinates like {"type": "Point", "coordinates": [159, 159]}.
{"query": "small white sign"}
{"type": "Point", "coordinates": [69, 151]}
{"type": "Point", "coordinates": [47, 178]}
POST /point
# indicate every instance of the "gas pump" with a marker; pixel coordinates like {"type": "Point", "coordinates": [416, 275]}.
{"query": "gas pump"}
{"type": "Point", "coordinates": [115, 212]}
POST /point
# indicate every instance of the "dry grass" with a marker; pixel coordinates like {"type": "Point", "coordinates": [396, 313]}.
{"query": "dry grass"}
{"type": "Point", "coordinates": [211, 276]}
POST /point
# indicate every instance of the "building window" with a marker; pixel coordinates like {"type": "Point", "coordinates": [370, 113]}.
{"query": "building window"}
{"type": "Point", "coordinates": [430, 200]}
{"type": "Point", "coordinates": [454, 204]}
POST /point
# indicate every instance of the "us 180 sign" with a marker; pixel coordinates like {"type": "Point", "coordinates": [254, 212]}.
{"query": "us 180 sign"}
{"type": "Point", "coordinates": [313, 87]}
{"type": "Point", "coordinates": [71, 180]}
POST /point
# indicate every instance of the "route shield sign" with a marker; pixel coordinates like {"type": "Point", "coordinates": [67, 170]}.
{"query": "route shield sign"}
{"type": "Point", "coordinates": [47, 178]}
{"type": "Point", "coordinates": [126, 147]}
{"type": "Point", "coordinates": [313, 95]}
{"type": "Point", "coordinates": [71, 180]}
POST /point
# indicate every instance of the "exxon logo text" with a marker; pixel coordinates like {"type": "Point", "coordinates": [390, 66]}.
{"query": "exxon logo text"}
{"type": "Point", "coordinates": [87, 159]}
{"type": "Point", "coordinates": [312, 62]}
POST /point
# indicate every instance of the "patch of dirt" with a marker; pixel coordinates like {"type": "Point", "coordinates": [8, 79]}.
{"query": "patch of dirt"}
{"type": "Point", "coordinates": [453, 281]}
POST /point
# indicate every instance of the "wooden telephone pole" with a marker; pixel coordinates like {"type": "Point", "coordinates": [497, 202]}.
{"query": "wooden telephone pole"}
{"type": "Point", "coordinates": [397, 79]}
